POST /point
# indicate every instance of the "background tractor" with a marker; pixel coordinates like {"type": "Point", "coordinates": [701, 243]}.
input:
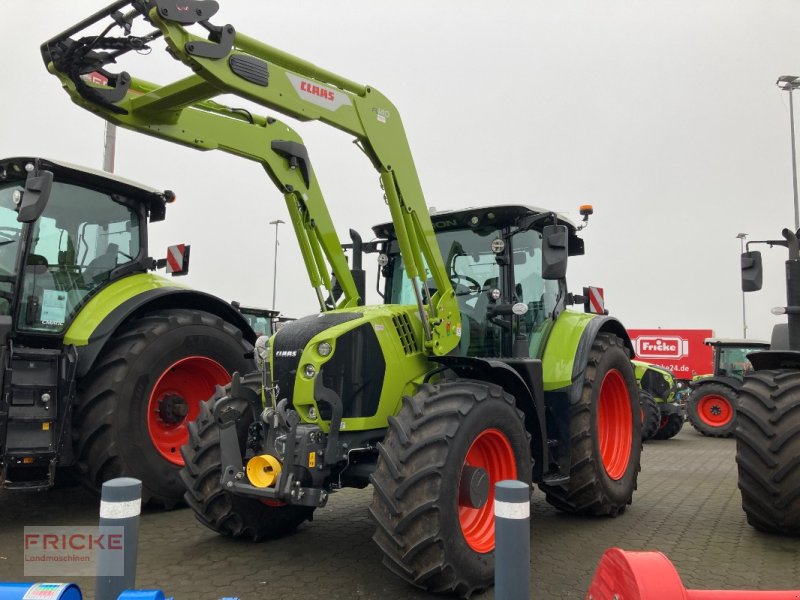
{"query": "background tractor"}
{"type": "Point", "coordinates": [471, 372]}
{"type": "Point", "coordinates": [711, 406]}
{"type": "Point", "coordinates": [663, 413]}
{"type": "Point", "coordinates": [768, 422]}
{"type": "Point", "coordinates": [103, 362]}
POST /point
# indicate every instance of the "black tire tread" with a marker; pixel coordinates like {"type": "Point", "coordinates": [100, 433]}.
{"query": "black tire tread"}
{"type": "Point", "coordinates": [584, 493]}
{"type": "Point", "coordinates": [96, 443]}
{"type": "Point", "coordinates": [672, 427]}
{"type": "Point", "coordinates": [768, 450]}
{"type": "Point", "coordinates": [407, 484]}
{"type": "Point", "coordinates": [221, 511]}
{"type": "Point", "coordinates": [652, 415]}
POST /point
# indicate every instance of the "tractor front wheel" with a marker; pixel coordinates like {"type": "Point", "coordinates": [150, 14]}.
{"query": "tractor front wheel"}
{"type": "Point", "coordinates": [218, 509]}
{"type": "Point", "coordinates": [767, 450]}
{"type": "Point", "coordinates": [651, 416]}
{"type": "Point", "coordinates": [669, 427]}
{"type": "Point", "coordinates": [148, 383]}
{"type": "Point", "coordinates": [433, 500]}
{"type": "Point", "coordinates": [712, 409]}
{"type": "Point", "coordinates": [605, 436]}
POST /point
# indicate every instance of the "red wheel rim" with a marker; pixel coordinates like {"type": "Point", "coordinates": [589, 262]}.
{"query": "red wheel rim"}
{"type": "Point", "coordinates": [189, 381]}
{"type": "Point", "coordinates": [714, 410]}
{"type": "Point", "coordinates": [492, 452]}
{"type": "Point", "coordinates": [614, 424]}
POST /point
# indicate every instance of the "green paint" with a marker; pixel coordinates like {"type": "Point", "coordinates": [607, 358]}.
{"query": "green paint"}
{"type": "Point", "coordinates": [560, 349]}
{"type": "Point", "coordinates": [108, 299]}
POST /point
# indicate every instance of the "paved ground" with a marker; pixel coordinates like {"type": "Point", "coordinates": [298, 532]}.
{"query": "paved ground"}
{"type": "Point", "coordinates": [687, 506]}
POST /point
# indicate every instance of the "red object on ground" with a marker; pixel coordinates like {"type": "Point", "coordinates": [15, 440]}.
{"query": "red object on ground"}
{"type": "Point", "coordinates": [626, 575]}
{"type": "Point", "coordinates": [682, 351]}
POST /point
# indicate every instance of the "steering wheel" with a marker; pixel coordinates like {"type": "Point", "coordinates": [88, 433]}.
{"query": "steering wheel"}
{"type": "Point", "coordinates": [473, 288]}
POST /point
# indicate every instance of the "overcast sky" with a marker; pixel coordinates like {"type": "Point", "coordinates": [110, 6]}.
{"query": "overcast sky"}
{"type": "Point", "coordinates": [663, 114]}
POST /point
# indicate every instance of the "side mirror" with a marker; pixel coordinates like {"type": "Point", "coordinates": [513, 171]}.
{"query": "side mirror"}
{"type": "Point", "coordinates": [34, 198]}
{"type": "Point", "coordinates": [752, 271]}
{"type": "Point", "coordinates": [554, 251]}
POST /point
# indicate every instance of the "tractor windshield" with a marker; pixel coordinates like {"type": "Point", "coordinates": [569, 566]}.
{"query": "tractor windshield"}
{"type": "Point", "coordinates": [471, 257]}
{"type": "Point", "coordinates": [82, 236]}
{"type": "Point", "coordinates": [10, 236]}
{"type": "Point", "coordinates": [733, 361]}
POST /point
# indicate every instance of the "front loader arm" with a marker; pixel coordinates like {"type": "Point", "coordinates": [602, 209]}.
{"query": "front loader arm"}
{"type": "Point", "coordinates": [228, 62]}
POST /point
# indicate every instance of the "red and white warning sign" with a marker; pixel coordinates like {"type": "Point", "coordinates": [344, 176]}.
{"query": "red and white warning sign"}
{"type": "Point", "coordinates": [178, 259]}
{"type": "Point", "coordinates": [595, 300]}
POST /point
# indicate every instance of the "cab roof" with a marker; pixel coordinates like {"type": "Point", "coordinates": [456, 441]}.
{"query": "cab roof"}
{"type": "Point", "coordinates": [736, 342]}
{"type": "Point", "coordinates": [13, 169]}
{"type": "Point", "coordinates": [489, 216]}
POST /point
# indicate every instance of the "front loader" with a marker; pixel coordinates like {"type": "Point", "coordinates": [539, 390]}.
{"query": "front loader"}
{"type": "Point", "coordinates": [768, 407]}
{"type": "Point", "coordinates": [471, 372]}
{"type": "Point", "coordinates": [103, 362]}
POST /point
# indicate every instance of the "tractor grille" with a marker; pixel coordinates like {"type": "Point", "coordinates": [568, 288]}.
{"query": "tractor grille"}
{"type": "Point", "coordinates": [403, 325]}
{"type": "Point", "coordinates": [355, 373]}
{"type": "Point", "coordinates": [290, 341]}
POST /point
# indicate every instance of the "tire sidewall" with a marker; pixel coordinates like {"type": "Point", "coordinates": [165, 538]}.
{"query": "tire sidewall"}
{"type": "Point", "coordinates": [492, 413]}
{"type": "Point", "coordinates": [135, 447]}
{"type": "Point", "coordinates": [618, 491]}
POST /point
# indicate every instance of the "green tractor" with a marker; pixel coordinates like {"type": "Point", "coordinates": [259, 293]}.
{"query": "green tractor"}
{"type": "Point", "coordinates": [473, 371]}
{"type": "Point", "coordinates": [104, 362]}
{"type": "Point", "coordinates": [663, 413]}
{"type": "Point", "coordinates": [711, 406]}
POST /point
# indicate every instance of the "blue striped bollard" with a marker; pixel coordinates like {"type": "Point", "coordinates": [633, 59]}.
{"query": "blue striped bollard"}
{"type": "Point", "coordinates": [512, 553]}
{"type": "Point", "coordinates": [120, 506]}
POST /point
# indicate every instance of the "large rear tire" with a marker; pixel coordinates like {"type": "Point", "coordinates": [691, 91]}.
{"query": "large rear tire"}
{"type": "Point", "coordinates": [711, 409]}
{"type": "Point", "coordinates": [134, 404]}
{"type": "Point", "coordinates": [651, 416]}
{"type": "Point", "coordinates": [431, 532]}
{"type": "Point", "coordinates": [669, 427]}
{"type": "Point", "coordinates": [605, 436]}
{"type": "Point", "coordinates": [221, 511]}
{"type": "Point", "coordinates": [768, 450]}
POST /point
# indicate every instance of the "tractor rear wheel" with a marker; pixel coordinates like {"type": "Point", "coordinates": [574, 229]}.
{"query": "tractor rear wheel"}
{"type": "Point", "coordinates": [221, 511]}
{"type": "Point", "coordinates": [433, 500]}
{"type": "Point", "coordinates": [605, 436]}
{"type": "Point", "coordinates": [651, 416]}
{"type": "Point", "coordinates": [669, 427]}
{"type": "Point", "coordinates": [134, 404]}
{"type": "Point", "coordinates": [767, 450]}
{"type": "Point", "coordinates": [712, 409]}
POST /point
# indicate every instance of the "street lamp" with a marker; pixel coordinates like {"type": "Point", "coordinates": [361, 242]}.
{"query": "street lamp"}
{"type": "Point", "coordinates": [742, 237]}
{"type": "Point", "coordinates": [275, 267]}
{"type": "Point", "coordinates": [790, 83]}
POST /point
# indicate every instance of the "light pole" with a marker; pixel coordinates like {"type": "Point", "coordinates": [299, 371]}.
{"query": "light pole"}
{"type": "Point", "coordinates": [742, 237]}
{"type": "Point", "coordinates": [276, 222]}
{"type": "Point", "coordinates": [790, 83]}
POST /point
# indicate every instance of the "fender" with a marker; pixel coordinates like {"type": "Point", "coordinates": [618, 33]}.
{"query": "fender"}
{"type": "Point", "coordinates": [134, 296]}
{"type": "Point", "coordinates": [774, 359]}
{"type": "Point", "coordinates": [568, 346]}
{"type": "Point", "coordinates": [520, 377]}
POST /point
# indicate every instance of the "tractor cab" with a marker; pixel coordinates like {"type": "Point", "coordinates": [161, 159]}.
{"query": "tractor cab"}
{"type": "Point", "coordinates": [86, 230]}
{"type": "Point", "coordinates": [730, 356]}
{"type": "Point", "coordinates": [496, 259]}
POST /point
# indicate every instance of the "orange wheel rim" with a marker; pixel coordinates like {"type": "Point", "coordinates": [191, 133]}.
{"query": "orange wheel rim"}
{"type": "Point", "coordinates": [715, 410]}
{"type": "Point", "coordinates": [614, 424]}
{"type": "Point", "coordinates": [175, 401]}
{"type": "Point", "coordinates": [492, 452]}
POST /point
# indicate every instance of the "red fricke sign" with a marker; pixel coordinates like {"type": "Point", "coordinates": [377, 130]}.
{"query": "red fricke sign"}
{"type": "Point", "coordinates": [682, 351]}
